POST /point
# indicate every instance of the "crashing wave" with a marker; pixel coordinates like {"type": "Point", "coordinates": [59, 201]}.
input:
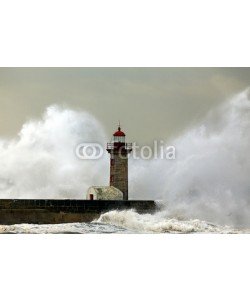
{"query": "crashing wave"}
{"type": "Point", "coordinates": [159, 223]}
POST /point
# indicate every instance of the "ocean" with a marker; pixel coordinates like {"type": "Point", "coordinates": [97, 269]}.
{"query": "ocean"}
{"type": "Point", "coordinates": [125, 222]}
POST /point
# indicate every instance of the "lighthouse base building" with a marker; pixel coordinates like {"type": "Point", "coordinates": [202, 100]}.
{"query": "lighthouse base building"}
{"type": "Point", "coordinates": [104, 193]}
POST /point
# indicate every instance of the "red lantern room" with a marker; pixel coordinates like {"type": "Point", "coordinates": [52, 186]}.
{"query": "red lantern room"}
{"type": "Point", "coordinates": [119, 136]}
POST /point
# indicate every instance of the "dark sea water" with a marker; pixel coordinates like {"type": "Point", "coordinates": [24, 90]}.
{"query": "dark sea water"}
{"type": "Point", "coordinates": [123, 222]}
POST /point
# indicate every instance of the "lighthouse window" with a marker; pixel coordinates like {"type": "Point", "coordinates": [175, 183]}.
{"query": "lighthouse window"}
{"type": "Point", "coordinates": [119, 139]}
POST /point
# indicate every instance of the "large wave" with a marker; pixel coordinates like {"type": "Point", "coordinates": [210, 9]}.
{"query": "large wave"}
{"type": "Point", "coordinates": [210, 178]}
{"type": "Point", "coordinates": [159, 223]}
{"type": "Point", "coordinates": [41, 162]}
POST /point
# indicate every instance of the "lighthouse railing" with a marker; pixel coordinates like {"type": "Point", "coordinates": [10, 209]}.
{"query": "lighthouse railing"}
{"type": "Point", "coordinates": [126, 146]}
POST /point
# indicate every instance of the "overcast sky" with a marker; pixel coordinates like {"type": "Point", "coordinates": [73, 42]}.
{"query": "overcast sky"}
{"type": "Point", "coordinates": [152, 103]}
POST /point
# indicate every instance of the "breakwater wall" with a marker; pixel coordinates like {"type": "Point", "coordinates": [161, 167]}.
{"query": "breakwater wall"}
{"type": "Point", "coordinates": [64, 211]}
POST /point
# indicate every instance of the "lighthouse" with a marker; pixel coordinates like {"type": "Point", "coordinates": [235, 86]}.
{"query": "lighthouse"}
{"type": "Point", "coordinates": [119, 150]}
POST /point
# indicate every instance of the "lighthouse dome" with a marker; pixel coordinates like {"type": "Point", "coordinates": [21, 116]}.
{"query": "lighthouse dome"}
{"type": "Point", "coordinates": [119, 132]}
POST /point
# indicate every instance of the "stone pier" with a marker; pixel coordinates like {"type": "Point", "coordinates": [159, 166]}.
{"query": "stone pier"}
{"type": "Point", "coordinates": [64, 211]}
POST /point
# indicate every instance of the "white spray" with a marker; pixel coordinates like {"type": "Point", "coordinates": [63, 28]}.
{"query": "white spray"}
{"type": "Point", "coordinates": [210, 178]}
{"type": "Point", "coordinates": [41, 162]}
